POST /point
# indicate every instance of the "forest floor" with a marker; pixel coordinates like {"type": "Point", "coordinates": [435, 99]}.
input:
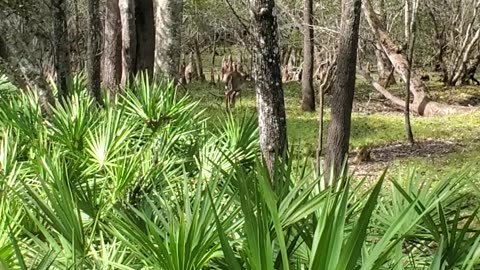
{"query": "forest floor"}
{"type": "Point", "coordinates": [444, 145]}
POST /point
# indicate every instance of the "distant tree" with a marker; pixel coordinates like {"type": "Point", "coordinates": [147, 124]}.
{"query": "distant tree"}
{"type": "Point", "coordinates": [112, 46]}
{"type": "Point", "coordinates": [168, 39]}
{"type": "Point", "coordinates": [308, 93]}
{"type": "Point", "coordinates": [61, 47]}
{"type": "Point", "coordinates": [343, 90]}
{"type": "Point", "coordinates": [93, 50]}
{"type": "Point", "coordinates": [268, 82]}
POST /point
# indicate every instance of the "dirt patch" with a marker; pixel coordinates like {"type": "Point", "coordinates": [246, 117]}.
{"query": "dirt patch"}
{"type": "Point", "coordinates": [383, 156]}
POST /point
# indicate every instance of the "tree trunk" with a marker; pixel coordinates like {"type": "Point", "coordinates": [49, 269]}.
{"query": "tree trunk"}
{"type": "Point", "coordinates": [129, 40]}
{"type": "Point", "coordinates": [384, 66]}
{"type": "Point", "coordinates": [268, 83]}
{"type": "Point", "coordinates": [168, 24]}
{"type": "Point", "coordinates": [198, 60]}
{"type": "Point", "coordinates": [25, 74]}
{"type": "Point", "coordinates": [214, 53]}
{"type": "Point", "coordinates": [308, 93]}
{"type": "Point", "coordinates": [93, 50]}
{"type": "Point", "coordinates": [421, 102]}
{"type": "Point", "coordinates": [145, 24]}
{"type": "Point", "coordinates": [61, 48]}
{"type": "Point", "coordinates": [343, 91]}
{"type": "Point", "coordinates": [112, 48]}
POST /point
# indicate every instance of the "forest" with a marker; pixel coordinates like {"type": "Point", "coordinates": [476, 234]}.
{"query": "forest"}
{"type": "Point", "coordinates": [240, 134]}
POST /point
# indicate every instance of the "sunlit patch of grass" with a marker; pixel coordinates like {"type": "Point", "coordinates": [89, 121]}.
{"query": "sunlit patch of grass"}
{"type": "Point", "coordinates": [374, 129]}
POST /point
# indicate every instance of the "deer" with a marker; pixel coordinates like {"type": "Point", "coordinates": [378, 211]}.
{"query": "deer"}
{"type": "Point", "coordinates": [234, 81]}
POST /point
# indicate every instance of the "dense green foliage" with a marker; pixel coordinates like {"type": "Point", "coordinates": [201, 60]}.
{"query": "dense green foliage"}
{"type": "Point", "coordinates": [149, 183]}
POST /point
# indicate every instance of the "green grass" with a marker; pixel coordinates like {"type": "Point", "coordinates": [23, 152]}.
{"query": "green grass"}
{"type": "Point", "coordinates": [374, 129]}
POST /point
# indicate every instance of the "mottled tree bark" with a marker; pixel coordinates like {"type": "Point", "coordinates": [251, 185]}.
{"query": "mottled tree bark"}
{"type": "Point", "coordinates": [145, 36]}
{"type": "Point", "coordinates": [308, 93]}
{"type": "Point", "coordinates": [268, 83]}
{"type": "Point", "coordinates": [343, 91]}
{"type": "Point", "coordinates": [129, 39]}
{"type": "Point", "coordinates": [112, 47]}
{"type": "Point", "coordinates": [61, 47]}
{"type": "Point", "coordinates": [93, 50]}
{"type": "Point", "coordinates": [168, 39]}
{"type": "Point", "coordinates": [24, 73]}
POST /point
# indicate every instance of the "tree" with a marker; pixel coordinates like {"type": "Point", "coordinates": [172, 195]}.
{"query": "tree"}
{"type": "Point", "coordinates": [93, 50]}
{"type": "Point", "coordinates": [410, 36]}
{"type": "Point", "coordinates": [308, 93]}
{"type": "Point", "coordinates": [61, 47]}
{"type": "Point", "coordinates": [268, 82]}
{"type": "Point", "coordinates": [145, 30]}
{"type": "Point", "coordinates": [421, 104]}
{"type": "Point", "coordinates": [168, 39]}
{"type": "Point", "coordinates": [129, 39]}
{"type": "Point", "coordinates": [343, 90]}
{"type": "Point", "coordinates": [112, 47]}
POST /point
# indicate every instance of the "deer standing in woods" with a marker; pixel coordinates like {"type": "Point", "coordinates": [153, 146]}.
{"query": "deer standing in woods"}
{"type": "Point", "coordinates": [234, 77]}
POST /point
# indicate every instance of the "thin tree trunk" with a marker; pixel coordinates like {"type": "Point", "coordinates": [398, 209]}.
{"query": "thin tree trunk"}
{"type": "Point", "coordinates": [343, 91]}
{"type": "Point", "coordinates": [384, 66]}
{"type": "Point", "coordinates": [145, 24]}
{"type": "Point", "coordinates": [168, 39]}
{"type": "Point", "coordinates": [93, 50]}
{"type": "Point", "coordinates": [112, 48]}
{"type": "Point", "coordinates": [410, 21]}
{"type": "Point", "coordinates": [129, 40]}
{"type": "Point", "coordinates": [308, 93]}
{"type": "Point", "coordinates": [61, 48]}
{"type": "Point", "coordinates": [198, 60]}
{"type": "Point", "coordinates": [318, 157]}
{"type": "Point", "coordinates": [268, 84]}
{"type": "Point", "coordinates": [214, 54]}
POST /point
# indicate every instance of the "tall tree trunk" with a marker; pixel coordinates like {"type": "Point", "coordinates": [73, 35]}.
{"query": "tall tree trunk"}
{"type": "Point", "coordinates": [198, 60]}
{"type": "Point", "coordinates": [93, 50]}
{"type": "Point", "coordinates": [308, 93]}
{"type": "Point", "coordinates": [61, 47]}
{"type": "Point", "coordinates": [214, 54]}
{"type": "Point", "coordinates": [168, 25]}
{"type": "Point", "coordinates": [384, 66]}
{"type": "Point", "coordinates": [112, 48]}
{"type": "Point", "coordinates": [145, 23]}
{"type": "Point", "coordinates": [343, 91]}
{"type": "Point", "coordinates": [268, 83]}
{"type": "Point", "coordinates": [410, 27]}
{"type": "Point", "coordinates": [129, 39]}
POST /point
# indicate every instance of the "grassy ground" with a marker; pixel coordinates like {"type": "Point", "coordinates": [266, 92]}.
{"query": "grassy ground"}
{"type": "Point", "coordinates": [445, 144]}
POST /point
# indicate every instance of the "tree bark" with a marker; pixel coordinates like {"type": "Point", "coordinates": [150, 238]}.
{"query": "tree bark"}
{"type": "Point", "coordinates": [24, 73]}
{"type": "Point", "coordinates": [268, 83]}
{"type": "Point", "coordinates": [61, 48]}
{"type": "Point", "coordinates": [112, 48]}
{"type": "Point", "coordinates": [93, 50]}
{"type": "Point", "coordinates": [198, 60]}
{"type": "Point", "coordinates": [308, 93]}
{"type": "Point", "coordinates": [384, 66]}
{"type": "Point", "coordinates": [168, 24]}
{"type": "Point", "coordinates": [129, 40]}
{"type": "Point", "coordinates": [343, 91]}
{"type": "Point", "coordinates": [145, 24]}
